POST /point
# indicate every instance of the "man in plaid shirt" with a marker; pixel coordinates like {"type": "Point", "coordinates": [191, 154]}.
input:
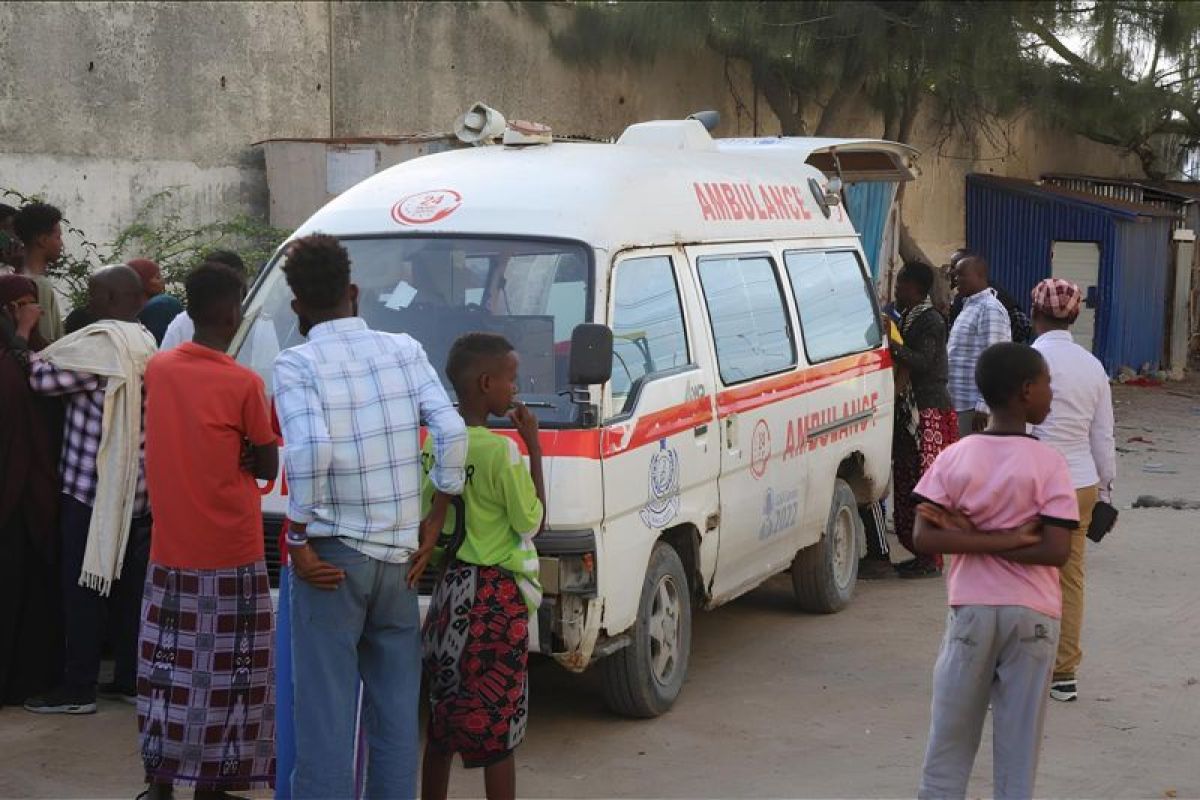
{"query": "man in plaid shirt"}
{"type": "Point", "coordinates": [351, 403]}
{"type": "Point", "coordinates": [982, 323]}
{"type": "Point", "coordinates": [113, 293]}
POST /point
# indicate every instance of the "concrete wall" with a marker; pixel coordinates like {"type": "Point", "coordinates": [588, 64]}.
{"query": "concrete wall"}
{"type": "Point", "coordinates": [104, 104]}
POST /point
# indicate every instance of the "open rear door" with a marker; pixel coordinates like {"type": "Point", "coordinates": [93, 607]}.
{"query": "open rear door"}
{"type": "Point", "coordinates": [871, 170]}
{"type": "Point", "coordinates": [853, 160]}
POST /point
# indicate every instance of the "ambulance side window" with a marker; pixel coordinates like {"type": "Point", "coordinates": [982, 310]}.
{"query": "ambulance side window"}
{"type": "Point", "coordinates": [749, 324]}
{"type": "Point", "coordinates": [834, 298]}
{"type": "Point", "coordinates": [647, 323]}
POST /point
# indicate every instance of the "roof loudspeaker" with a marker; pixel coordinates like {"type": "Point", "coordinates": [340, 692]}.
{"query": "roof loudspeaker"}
{"type": "Point", "coordinates": [480, 125]}
{"type": "Point", "coordinates": [709, 119]}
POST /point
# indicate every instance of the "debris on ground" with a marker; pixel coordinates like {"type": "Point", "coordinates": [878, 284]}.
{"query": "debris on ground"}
{"type": "Point", "coordinates": [1158, 469]}
{"type": "Point", "coordinates": [1150, 501]}
{"type": "Point", "coordinates": [1141, 439]}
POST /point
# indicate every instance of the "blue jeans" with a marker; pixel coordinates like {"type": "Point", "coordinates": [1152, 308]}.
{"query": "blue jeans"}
{"type": "Point", "coordinates": [368, 628]}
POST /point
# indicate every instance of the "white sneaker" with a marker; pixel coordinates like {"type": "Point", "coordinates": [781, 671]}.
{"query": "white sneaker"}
{"type": "Point", "coordinates": [1064, 691]}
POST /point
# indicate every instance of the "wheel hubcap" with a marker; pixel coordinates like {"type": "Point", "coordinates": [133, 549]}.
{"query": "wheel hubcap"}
{"type": "Point", "coordinates": [664, 629]}
{"type": "Point", "coordinates": [843, 544]}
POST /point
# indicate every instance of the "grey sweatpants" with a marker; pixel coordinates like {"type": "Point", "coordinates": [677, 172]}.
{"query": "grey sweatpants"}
{"type": "Point", "coordinates": [1001, 654]}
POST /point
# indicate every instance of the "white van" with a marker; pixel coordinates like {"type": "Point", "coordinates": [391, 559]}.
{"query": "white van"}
{"type": "Point", "coordinates": [726, 406]}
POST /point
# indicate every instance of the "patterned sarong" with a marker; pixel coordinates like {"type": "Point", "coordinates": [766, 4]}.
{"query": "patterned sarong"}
{"type": "Point", "coordinates": [937, 429]}
{"type": "Point", "coordinates": [476, 654]}
{"type": "Point", "coordinates": [206, 677]}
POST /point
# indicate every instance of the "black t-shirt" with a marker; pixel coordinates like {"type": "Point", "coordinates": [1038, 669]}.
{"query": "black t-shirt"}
{"type": "Point", "coordinates": [79, 318]}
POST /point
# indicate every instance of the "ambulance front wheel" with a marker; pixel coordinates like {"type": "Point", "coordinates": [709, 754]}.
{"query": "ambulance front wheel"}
{"type": "Point", "coordinates": [823, 574]}
{"type": "Point", "coordinates": [644, 678]}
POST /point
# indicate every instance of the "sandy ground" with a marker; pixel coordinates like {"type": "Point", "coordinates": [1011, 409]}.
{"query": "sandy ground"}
{"type": "Point", "coordinates": [780, 704]}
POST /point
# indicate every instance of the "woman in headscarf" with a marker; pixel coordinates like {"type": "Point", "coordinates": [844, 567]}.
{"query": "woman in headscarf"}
{"type": "Point", "coordinates": [925, 420]}
{"type": "Point", "coordinates": [30, 629]}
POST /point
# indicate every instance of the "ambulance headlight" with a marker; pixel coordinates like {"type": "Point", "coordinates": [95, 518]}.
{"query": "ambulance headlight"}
{"type": "Point", "coordinates": [577, 574]}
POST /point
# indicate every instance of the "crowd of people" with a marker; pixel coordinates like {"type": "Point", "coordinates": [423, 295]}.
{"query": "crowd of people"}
{"type": "Point", "coordinates": [1035, 441]}
{"type": "Point", "coordinates": [130, 508]}
{"type": "Point", "coordinates": [132, 511]}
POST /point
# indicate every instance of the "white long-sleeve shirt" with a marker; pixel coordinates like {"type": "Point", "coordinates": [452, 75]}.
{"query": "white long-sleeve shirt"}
{"type": "Point", "coordinates": [1080, 425]}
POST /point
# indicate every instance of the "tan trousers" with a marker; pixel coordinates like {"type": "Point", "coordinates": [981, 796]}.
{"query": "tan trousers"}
{"type": "Point", "coordinates": [1071, 580]}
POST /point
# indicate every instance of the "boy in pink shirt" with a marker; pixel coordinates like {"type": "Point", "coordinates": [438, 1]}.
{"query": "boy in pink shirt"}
{"type": "Point", "coordinates": [1003, 503]}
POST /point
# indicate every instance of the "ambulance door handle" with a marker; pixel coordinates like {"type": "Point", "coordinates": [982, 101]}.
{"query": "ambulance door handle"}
{"type": "Point", "coordinates": [731, 433]}
{"type": "Point", "coordinates": [700, 432]}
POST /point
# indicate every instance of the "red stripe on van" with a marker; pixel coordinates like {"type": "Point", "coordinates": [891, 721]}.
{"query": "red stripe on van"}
{"type": "Point", "coordinates": [657, 425]}
{"type": "Point", "coordinates": [772, 390]}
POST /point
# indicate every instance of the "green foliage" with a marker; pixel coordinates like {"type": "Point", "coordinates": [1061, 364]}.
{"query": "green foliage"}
{"type": "Point", "coordinates": [1121, 72]}
{"type": "Point", "coordinates": [160, 233]}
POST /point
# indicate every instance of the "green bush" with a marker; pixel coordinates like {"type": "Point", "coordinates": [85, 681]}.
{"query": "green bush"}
{"type": "Point", "coordinates": [160, 233]}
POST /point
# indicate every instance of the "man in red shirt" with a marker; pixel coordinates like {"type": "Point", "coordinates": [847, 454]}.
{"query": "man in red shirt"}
{"type": "Point", "coordinates": [206, 660]}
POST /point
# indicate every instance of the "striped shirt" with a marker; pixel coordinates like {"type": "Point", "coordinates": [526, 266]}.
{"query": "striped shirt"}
{"type": "Point", "coordinates": [982, 323]}
{"type": "Point", "coordinates": [83, 398]}
{"type": "Point", "coordinates": [351, 403]}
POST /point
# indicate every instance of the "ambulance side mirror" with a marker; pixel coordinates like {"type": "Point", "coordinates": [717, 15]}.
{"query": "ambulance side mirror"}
{"type": "Point", "coordinates": [591, 354]}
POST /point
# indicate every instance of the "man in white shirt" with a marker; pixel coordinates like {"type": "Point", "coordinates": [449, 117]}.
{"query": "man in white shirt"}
{"type": "Point", "coordinates": [1080, 426]}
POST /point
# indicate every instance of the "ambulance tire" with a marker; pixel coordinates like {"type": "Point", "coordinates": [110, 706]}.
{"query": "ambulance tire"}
{"type": "Point", "coordinates": [644, 678]}
{"type": "Point", "coordinates": [823, 574]}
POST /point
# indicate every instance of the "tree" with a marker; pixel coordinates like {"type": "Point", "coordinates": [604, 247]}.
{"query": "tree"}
{"type": "Point", "coordinates": [813, 60]}
{"type": "Point", "coordinates": [1133, 82]}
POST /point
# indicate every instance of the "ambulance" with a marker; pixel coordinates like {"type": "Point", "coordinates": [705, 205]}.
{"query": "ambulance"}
{"type": "Point", "coordinates": [699, 336]}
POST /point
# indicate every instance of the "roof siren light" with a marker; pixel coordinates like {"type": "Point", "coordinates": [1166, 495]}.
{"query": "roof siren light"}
{"type": "Point", "coordinates": [480, 125]}
{"type": "Point", "coordinates": [709, 119]}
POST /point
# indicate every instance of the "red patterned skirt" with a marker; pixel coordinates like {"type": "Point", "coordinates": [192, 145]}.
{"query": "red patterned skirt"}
{"type": "Point", "coordinates": [476, 657]}
{"type": "Point", "coordinates": [206, 677]}
{"type": "Point", "coordinates": [937, 429]}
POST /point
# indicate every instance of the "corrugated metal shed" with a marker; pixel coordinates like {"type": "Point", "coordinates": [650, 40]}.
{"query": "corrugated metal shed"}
{"type": "Point", "coordinates": [1014, 223]}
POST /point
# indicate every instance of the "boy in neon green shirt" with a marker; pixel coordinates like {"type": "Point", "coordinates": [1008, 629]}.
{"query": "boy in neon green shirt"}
{"type": "Point", "coordinates": [477, 628]}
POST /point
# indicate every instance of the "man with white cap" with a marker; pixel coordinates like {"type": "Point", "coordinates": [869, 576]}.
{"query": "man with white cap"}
{"type": "Point", "coordinates": [1080, 426]}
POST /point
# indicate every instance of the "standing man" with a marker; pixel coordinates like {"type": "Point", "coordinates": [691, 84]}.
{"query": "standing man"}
{"type": "Point", "coordinates": [207, 655]}
{"type": "Point", "coordinates": [104, 520]}
{"type": "Point", "coordinates": [982, 323]}
{"type": "Point", "coordinates": [351, 403]}
{"type": "Point", "coordinates": [160, 308]}
{"type": "Point", "coordinates": [1080, 426]}
{"type": "Point", "coordinates": [39, 227]}
{"type": "Point", "coordinates": [182, 328]}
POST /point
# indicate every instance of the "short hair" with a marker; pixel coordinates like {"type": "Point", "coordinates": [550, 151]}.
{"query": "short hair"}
{"type": "Point", "coordinates": [211, 286]}
{"type": "Point", "coordinates": [34, 220]}
{"type": "Point", "coordinates": [468, 353]}
{"type": "Point", "coordinates": [977, 260]}
{"type": "Point", "coordinates": [1004, 369]}
{"type": "Point", "coordinates": [228, 258]}
{"type": "Point", "coordinates": [318, 270]}
{"type": "Point", "coordinates": [7, 211]}
{"type": "Point", "coordinates": [918, 273]}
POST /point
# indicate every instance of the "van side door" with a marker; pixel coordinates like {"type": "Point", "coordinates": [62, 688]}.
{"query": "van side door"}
{"type": "Point", "coordinates": [660, 445]}
{"type": "Point", "coordinates": [756, 353]}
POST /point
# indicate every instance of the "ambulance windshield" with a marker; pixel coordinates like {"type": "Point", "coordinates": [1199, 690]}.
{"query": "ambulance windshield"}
{"type": "Point", "coordinates": [534, 292]}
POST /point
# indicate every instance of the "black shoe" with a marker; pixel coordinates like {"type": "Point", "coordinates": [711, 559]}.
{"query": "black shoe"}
{"type": "Point", "coordinates": [115, 691]}
{"type": "Point", "coordinates": [63, 700]}
{"type": "Point", "coordinates": [916, 569]}
{"type": "Point", "coordinates": [875, 569]}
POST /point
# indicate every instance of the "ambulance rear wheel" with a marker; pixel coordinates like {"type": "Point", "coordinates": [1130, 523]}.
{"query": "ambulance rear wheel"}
{"type": "Point", "coordinates": [823, 575]}
{"type": "Point", "coordinates": [644, 678]}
